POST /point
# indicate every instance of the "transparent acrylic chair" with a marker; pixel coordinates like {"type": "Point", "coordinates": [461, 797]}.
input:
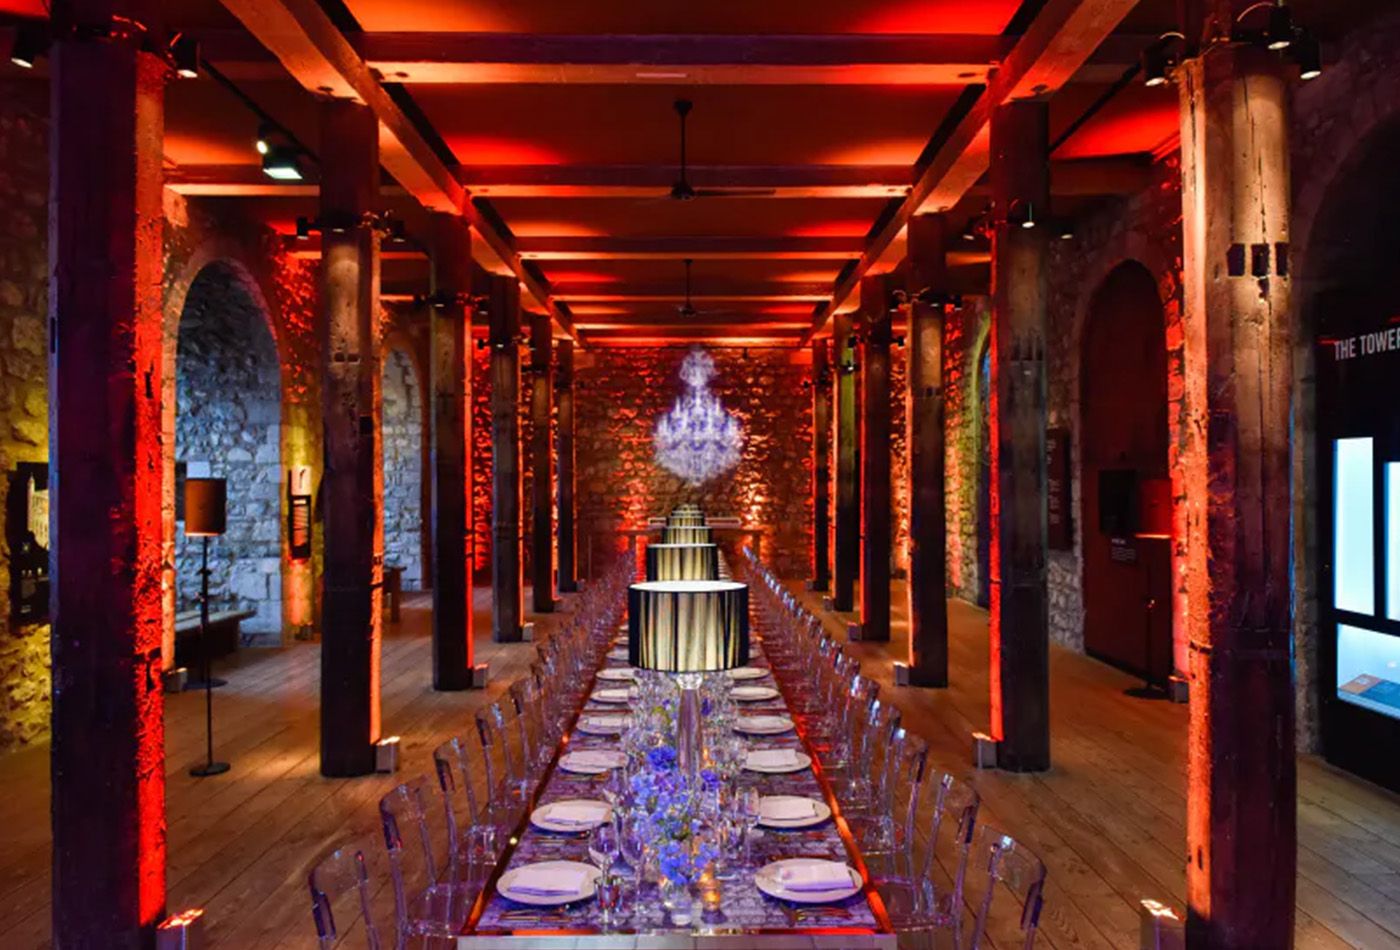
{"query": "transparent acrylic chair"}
{"type": "Point", "coordinates": [889, 829]}
{"type": "Point", "coordinates": [473, 835]}
{"type": "Point", "coordinates": [427, 902]}
{"type": "Point", "coordinates": [342, 905]}
{"type": "Point", "coordinates": [1002, 891]}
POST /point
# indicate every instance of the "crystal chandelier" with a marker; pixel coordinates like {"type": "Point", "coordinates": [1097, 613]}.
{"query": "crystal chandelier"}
{"type": "Point", "coordinates": [698, 440]}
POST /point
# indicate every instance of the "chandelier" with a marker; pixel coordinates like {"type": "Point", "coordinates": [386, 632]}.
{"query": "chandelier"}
{"type": "Point", "coordinates": [698, 440]}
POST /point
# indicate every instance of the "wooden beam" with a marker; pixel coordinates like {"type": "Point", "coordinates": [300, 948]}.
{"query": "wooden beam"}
{"type": "Point", "coordinates": [697, 248]}
{"type": "Point", "coordinates": [654, 181]}
{"type": "Point", "coordinates": [1058, 41]}
{"type": "Point", "coordinates": [821, 465]}
{"type": "Point", "coordinates": [805, 294]}
{"type": "Point", "coordinates": [876, 302]}
{"type": "Point", "coordinates": [894, 59]}
{"type": "Point", "coordinates": [507, 566]}
{"type": "Point", "coordinates": [312, 48]}
{"type": "Point", "coordinates": [845, 446]}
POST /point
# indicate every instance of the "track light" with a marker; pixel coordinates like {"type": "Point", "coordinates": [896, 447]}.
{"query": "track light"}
{"type": "Point", "coordinates": [184, 54]}
{"type": "Point", "coordinates": [1280, 31]}
{"type": "Point", "coordinates": [1307, 52]}
{"type": "Point", "coordinates": [31, 42]}
{"type": "Point", "coordinates": [264, 139]}
{"type": "Point", "coordinates": [1066, 232]}
{"type": "Point", "coordinates": [1154, 65]}
{"type": "Point", "coordinates": [282, 163]}
{"type": "Point", "coordinates": [303, 228]}
{"type": "Point", "coordinates": [1022, 213]}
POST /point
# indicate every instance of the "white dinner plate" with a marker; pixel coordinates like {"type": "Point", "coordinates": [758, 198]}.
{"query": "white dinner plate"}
{"type": "Point", "coordinates": [748, 673]}
{"type": "Point", "coordinates": [820, 812]}
{"type": "Point", "coordinates": [618, 673]}
{"type": "Point", "coordinates": [768, 880]}
{"type": "Point", "coordinates": [589, 762]}
{"type": "Point", "coordinates": [803, 761]}
{"type": "Point", "coordinates": [603, 725]}
{"type": "Point", "coordinates": [613, 694]}
{"type": "Point", "coordinates": [590, 887]}
{"type": "Point", "coordinates": [753, 694]}
{"type": "Point", "coordinates": [763, 725]}
{"type": "Point", "coordinates": [619, 654]}
{"type": "Point", "coordinates": [543, 817]}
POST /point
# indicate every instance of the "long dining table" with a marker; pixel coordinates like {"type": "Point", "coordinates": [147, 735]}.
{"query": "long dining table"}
{"type": "Point", "coordinates": [746, 917]}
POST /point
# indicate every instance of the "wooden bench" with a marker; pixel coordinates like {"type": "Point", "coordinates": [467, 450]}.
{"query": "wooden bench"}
{"type": "Point", "coordinates": [223, 634]}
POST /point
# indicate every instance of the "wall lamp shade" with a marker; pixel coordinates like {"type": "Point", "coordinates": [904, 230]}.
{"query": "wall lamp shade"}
{"type": "Point", "coordinates": [682, 562]}
{"type": "Point", "coordinates": [206, 509]}
{"type": "Point", "coordinates": [688, 626]}
{"type": "Point", "coordinates": [281, 163]}
{"type": "Point", "coordinates": [692, 534]}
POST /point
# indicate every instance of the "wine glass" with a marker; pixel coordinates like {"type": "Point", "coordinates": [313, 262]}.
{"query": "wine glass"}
{"type": "Point", "coordinates": [748, 804]}
{"type": "Point", "coordinates": [609, 896]}
{"type": "Point", "coordinates": [603, 846]}
{"type": "Point", "coordinates": [632, 844]}
{"type": "Point", "coordinates": [731, 842]}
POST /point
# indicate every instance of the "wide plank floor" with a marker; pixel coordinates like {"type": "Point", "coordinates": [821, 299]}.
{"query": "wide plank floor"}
{"type": "Point", "coordinates": [1108, 819]}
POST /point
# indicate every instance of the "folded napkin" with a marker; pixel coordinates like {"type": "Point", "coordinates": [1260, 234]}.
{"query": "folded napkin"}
{"type": "Point", "coordinates": [596, 759]}
{"type": "Point", "coordinates": [787, 809]}
{"type": "Point", "coordinates": [766, 722]}
{"type": "Point", "coordinates": [816, 876]}
{"type": "Point", "coordinates": [578, 813]}
{"type": "Point", "coordinates": [544, 881]}
{"type": "Point", "coordinates": [615, 694]}
{"type": "Point", "coordinates": [774, 758]}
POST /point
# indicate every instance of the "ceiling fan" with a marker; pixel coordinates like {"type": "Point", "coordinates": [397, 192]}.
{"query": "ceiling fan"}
{"type": "Point", "coordinates": [687, 309]}
{"type": "Point", "coordinates": [682, 190]}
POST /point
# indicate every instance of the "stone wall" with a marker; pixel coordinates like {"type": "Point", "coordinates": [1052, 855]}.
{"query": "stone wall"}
{"type": "Point", "coordinates": [403, 477]}
{"type": "Point", "coordinates": [620, 394]}
{"type": "Point", "coordinates": [228, 425]}
{"type": "Point", "coordinates": [965, 412]}
{"type": "Point", "coordinates": [24, 432]}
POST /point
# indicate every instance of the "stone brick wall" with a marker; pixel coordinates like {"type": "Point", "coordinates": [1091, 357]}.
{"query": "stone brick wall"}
{"type": "Point", "coordinates": [964, 412]}
{"type": "Point", "coordinates": [24, 433]}
{"type": "Point", "coordinates": [403, 477]}
{"type": "Point", "coordinates": [228, 425]}
{"type": "Point", "coordinates": [619, 395]}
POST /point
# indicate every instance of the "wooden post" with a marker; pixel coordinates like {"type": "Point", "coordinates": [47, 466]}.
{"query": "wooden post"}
{"type": "Point", "coordinates": [507, 570]}
{"type": "Point", "coordinates": [108, 751]}
{"type": "Point", "coordinates": [923, 399]}
{"type": "Point", "coordinates": [450, 316]}
{"type": "Point", "coordinates": [846, 434]}
{"type": "Point", "coordinates": [564, 415]}
{"type": "Point", "coordinates": [1241, 810]}
{"type": "Point", "coordinates": [542, 464]}
{"type": "Point", "coordinates": [876, 301]}
{"type": "Point", "coordinates": [821, 464]}
{"type": "Point", "coordinates": [352, 489]}
{"type": "Point", "coordinates": [1020, 649]}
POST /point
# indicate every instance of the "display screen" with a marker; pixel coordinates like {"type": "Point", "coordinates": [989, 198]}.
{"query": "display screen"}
{"type": "Point", "coordinates": [1368, 669]}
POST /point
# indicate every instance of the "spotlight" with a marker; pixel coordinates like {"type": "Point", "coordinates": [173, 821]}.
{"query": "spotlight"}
{"type": "Point", "coordinates": [1028, 221]}
{"type": "Point", "coordinates": [264, 140]}
{"type": "Point", "coordinates": [31, 42]}
{"type": "Point", "coordinates": [1154, 65]}
{"type": "Point", "coordinates": [1280, 32]}
{"type": "Point", "coordinates": [282, 163]}
{"type": "Point", "coordinates": [1066, 232]}
{"type": "Point", "coordinates": [184, 52]}
{"type": "Point", "coordinates": [303, 228]}
{"type": "Point", "coordinates": [1307, 52]}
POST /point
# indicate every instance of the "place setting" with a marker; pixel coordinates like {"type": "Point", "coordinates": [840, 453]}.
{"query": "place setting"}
{"type": "Point", "coordinates": [592, 761]}
{"type": "Point", "coordinates": [756, 725]}
{"type": "Point", "coordinates": [617, 674]}
{"type": "Point", "coordinates": [791, 812]}
{"type": "Point", "coordinates": [754, 694]}
{"type": "Point", "coordinates": [571, 816]}
{"type": "Point", "coordinates": [777, 761]}
{"type": "Point", "coordinates": [613, 695]}
{"type": "Point", "coordinates": [602, 724]}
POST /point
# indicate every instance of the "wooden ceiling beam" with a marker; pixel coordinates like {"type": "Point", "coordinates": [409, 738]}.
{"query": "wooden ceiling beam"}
{"type": "Point", "coordinates": [1061, 38]}
{"type": "Point", "coordinates": [699, 248]}
{"type": "Point", "coordinates": [654, 181]}
{"type": "Point", "coordinates": [316, 54]}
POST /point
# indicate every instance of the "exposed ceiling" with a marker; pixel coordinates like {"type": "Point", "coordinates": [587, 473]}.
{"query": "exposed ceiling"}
{"type": "Point", "coordinates": [552, 123]}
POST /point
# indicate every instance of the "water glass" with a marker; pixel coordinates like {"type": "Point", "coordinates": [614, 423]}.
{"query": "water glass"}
{"type": "Point", "coordinates": [748, 803]}
{"type": "Point", "coordinates": [603, 846]}
{"type": "Point", "coordinates": [609, 898]}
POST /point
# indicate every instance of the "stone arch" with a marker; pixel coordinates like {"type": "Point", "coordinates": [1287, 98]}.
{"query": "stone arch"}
{"type": "Point", "coordinates": [227, 422]}
{"type": "Point", "coordinates": [407, 485]}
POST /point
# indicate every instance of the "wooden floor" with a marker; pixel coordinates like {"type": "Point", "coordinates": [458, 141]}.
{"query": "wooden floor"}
{"type": "Point", "coordinates": [1107, 819]}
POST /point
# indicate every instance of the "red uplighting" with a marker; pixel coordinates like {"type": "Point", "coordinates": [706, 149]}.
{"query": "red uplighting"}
{"type": "Point", "coordinates": [484, 150]}
{"type": "Point", "coordinates": [939, 16]}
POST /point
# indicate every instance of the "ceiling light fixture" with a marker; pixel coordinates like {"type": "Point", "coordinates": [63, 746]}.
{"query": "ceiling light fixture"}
{"type": "Point", "coordinates": [1280, 30]}
{"type": "Point", "coordinates": [282, 163]}
{"type": "Point", "coordinates": [264, 139]}
{"type": "Point", "coordinates": [184, 55]}
{"type": "Point", "coordinates": [31, 42]}
{"type": "Point", "coordinates": [1160, 58]}
{"type": "Point", "coordinates": [1307, 52]}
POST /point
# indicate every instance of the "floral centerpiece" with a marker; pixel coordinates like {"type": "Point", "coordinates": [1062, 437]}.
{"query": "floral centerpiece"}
{"type": "Point", "coordinates": [669, 802]}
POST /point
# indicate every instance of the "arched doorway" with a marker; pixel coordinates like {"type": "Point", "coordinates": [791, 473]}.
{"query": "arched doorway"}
{"type": "Point", "coordinates": [1124, 484]}
{"type": "Point", "coordinates": [228, 425]}
{"type": "Point", "coordinates": [1351, 307]}
{"type": "Point", "coordinates": [403, 468]}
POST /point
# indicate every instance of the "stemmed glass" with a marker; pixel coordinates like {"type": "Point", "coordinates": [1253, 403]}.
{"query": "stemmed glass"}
{"type": "Point", "coordinates": [632, 842]}
{"type": "Point", "coordinates": [604, 846]}
{"type": "Point", "coordinates": [747, 805]}
{"type": "Point", "coordinates": [732, 838]}
{"type": "Point", "coordinates": [609, 896]}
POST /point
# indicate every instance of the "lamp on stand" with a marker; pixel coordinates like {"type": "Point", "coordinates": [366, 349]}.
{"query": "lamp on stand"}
{"type": "Point", "coordinates": [206, 517]}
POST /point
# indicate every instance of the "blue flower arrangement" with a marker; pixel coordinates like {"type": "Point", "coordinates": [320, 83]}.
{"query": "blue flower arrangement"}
{"type": "Point", "coordinates": [670, 801]}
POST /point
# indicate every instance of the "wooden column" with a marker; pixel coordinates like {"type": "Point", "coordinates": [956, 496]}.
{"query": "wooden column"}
{"type": "Point", "coordinates": [507, 569]}
{"type": "Point", "coordinates": [1241, 817]}
{"type": "Point", "coordinates": [846, 435]}
{"type": "Point", "coordinates": [923, 401]}
{"type": "Point", "coordinates": [821, 464]}
{"type": "Point", "coordinates": [1020, 655]}
{"type": "Point", "coordinates": [542, 464]}
{"type": "Point", "coordinates": [450, 316]}
{"type": "Point", "coordinates": [564, 416]}
{"type": "Point", "coordinates": [352, 489]}
{"type": "Point", "coordinates": [108, 751]}
{"type": "Point", "coordinates": [875, 302]}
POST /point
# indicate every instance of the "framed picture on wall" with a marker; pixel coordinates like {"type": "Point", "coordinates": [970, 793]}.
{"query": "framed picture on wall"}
{"type": "Point", "coordinates": [27, 530]}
